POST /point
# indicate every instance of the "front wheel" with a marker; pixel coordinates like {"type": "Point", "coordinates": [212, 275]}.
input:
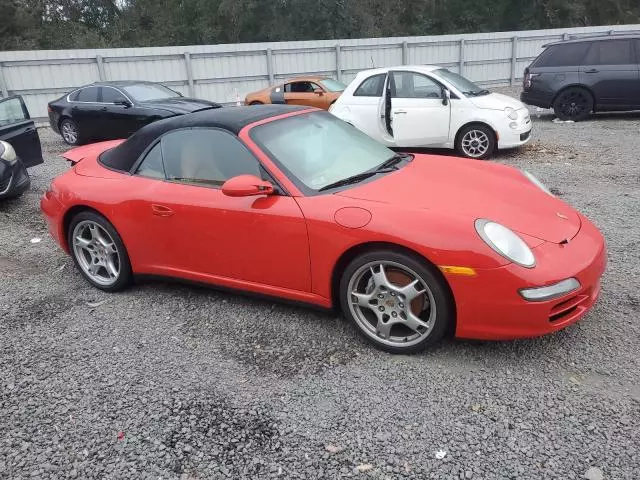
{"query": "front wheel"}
{"type": "Point", "coordinates": [476, 141]}
{"type": "Point", "coordinates": [397, 301]}
{"type": "Point", "coordinates": [574, 103]}
{"type": "Point", "coordinates": [98, 252]}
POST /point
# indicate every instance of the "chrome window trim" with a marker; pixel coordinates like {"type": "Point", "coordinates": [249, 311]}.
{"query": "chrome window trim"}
{"type": "Point", "coordinates": [97, 103]}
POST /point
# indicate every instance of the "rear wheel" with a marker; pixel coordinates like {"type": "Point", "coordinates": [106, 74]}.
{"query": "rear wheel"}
{"type": "Point", "coordinates": [98, 252]}
{"type": "Point", "coordinates": [476, 141]}
{"type": "Point", "coordinates": [397, 301]}
{"type": "Point", "coordinates": [70, 132]}
{"type": "Point", "coordinates": [574, 103]}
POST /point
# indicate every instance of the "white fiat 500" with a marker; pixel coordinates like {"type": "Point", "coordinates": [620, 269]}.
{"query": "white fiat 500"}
{"type": "Point", "coordinates": [428, 106]}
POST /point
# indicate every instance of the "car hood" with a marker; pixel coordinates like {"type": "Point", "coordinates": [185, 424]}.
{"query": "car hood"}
{"type": "Point", "coordinates": [476, 190]}
{"type": "Point", "coordinates": [181, 105]}
{"type": "Point", "coordinates": [496, 101]}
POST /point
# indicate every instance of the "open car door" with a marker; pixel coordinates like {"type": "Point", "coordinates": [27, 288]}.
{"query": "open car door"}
{"type": "Point", "coordinates": [17, 128]}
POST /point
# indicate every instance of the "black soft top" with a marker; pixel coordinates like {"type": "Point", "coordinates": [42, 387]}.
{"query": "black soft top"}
{"type": "Point", "coordinates": [233, 119]}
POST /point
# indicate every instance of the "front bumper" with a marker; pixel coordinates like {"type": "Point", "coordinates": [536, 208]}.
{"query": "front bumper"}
{"type": "Point", "coordinates": [14, 180]}
{"type": "Point", "coordinates": [515, 137]}
{"type": "Point", "coordinates": [490, 307]}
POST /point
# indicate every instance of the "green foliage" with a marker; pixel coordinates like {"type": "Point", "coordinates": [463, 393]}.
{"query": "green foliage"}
{"type": "Point", "coordinates": [46, 24]}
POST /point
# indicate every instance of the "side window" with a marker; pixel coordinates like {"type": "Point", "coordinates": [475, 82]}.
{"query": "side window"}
{"type": "Point", "coordinates": [415, 85]}
{"type": "Point", "coordinates": [11, 112]}
{"type": "Point", "coordinates": [568, 55]}
{"type": "Point", "coordinates": [206, 157]}
{"type": "Point", "coordinates": [89, 94]}
{"type": "Point", "coordinates": [152, 166]}
{"type": "Point", "coordinates": [610, 52]}
{"type": "Point", "coordinates": [371, 87]}
{"type": "Point", "coordinates": [110, 95]}
{"type": "Point", "coordinates": [299, 87]}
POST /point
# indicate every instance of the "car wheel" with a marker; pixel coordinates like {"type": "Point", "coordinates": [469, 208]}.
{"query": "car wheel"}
{"type": "Point", "coordinates": [476, 141]}
{"type": "Point", "coordinates": [98, 252]}
{"type": "Point", "coordinates": [398, 302]}
{"type": "Point", "coordinates": [70, 132]}
{"type": "Point", "coordinates": [574, 103]}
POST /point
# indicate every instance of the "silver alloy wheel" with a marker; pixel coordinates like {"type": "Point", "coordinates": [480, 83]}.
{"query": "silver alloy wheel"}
{"type": "Point", "coordinates": [96, 253]}
{"type": "Point", "coordinates": [391, 303]}
{"type": "Point", "coordinates": [475, 143]}
{"type": "Point", "coordinates": [69, 132]}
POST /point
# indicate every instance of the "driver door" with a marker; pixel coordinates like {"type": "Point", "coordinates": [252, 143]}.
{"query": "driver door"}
{"type": "Point", "coordinates": [197, 231]}
{"type": "Point", "coordinates": [418, 116]}
{"type": "Point", "coordinates": [305, 93]}
{"type": "Point", "coordinates": [17, 128]}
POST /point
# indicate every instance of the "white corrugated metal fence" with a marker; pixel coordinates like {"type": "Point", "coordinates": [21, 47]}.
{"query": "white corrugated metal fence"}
{"type": "Point", "coordinates": [224, 73]}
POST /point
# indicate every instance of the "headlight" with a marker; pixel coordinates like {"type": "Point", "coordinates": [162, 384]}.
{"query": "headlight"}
{"type": "Point", "coordinates": [7, 153]}
{"type": "Point", "coordinates": [505, 242]}
{"type": "Point", "coordinates": [537, 182]}
{"type": "Point", "coordinates": [511, 113]}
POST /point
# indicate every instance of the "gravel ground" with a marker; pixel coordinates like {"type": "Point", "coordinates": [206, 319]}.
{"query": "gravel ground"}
{"type": "Point", "coordinates": [168, 381]}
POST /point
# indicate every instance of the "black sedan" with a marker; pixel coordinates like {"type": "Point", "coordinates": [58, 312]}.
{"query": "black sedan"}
{"type": "Point", "coordinates": [111, 110]}
{"type": "Point", "coordinates": [19, 147]}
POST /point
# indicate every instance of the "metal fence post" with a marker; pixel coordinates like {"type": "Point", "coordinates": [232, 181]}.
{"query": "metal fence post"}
{"type": "Point", "coordinates": [514, 60]}
{"type": "Point", "coordinates": [187, 67]}
{"type": "Point", "coordinates": [3, 83]}
{"type": "Point", "coordinates": [270, 66]}
{"type": "Point", "coordinates": [99, 62]}
{"type": "Point", "coordinates": [338, 64]}
{"type": "Point", "coordinates": [405, 52]}
{"type": "Point", "coordinates": [461, 55]}
{"type": "Point", "coordinates": [565, 36]}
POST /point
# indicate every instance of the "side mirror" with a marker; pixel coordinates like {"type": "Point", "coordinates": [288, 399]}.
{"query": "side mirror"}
{"type": "Point", "coordinates": [318, 91]}
{"type": "Point", "coordinates": [246, 186]}
{"type": "Point", "coordinates": [124, 102]}
{"type": "Point", "coordinates": [446, 96]}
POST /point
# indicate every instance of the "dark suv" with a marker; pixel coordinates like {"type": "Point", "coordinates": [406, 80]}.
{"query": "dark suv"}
{"type": "Point", "coordinates": [577, 77]}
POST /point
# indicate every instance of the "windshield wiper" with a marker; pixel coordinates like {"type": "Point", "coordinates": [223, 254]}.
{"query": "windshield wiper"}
{"type": "Point", "coordinates": [393, 161]}
{"type": "Point", "coordinates": [476, 93]}
{"type": "Point", "coordinates": [356, 178]}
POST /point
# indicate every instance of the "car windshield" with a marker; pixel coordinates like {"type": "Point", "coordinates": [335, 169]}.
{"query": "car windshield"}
{"type": "Point", "coordinates": [333, 85]}
{"type": "Point", "coordinates": [143, 92]}
{"type": "Point", "coordinates": [317, 149]}
{"type": "Point", "coordinates": [467, 87]}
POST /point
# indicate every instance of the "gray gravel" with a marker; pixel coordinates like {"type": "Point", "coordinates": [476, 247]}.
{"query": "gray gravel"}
{"type": "Point", "coordinates": [168, 381]}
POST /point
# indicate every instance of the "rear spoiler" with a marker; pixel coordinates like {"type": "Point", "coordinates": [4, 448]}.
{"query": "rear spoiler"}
{"type": "Point", "coordinates": [76, 155]}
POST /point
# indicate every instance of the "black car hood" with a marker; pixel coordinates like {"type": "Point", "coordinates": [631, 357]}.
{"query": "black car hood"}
{"type": "Point", "coordinates": [180, 105]}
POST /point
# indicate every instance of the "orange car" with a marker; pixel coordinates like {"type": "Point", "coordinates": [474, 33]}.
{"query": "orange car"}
{"type": "Point", "coordinates": [318, 92]}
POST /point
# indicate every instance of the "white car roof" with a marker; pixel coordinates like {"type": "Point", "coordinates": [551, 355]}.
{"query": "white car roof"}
{"type": "Point", "coordinates": [413, 68]}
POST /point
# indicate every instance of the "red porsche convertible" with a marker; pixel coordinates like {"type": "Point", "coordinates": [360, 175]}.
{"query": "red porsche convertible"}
{"type": "Point", "coordinates": [292, 202]}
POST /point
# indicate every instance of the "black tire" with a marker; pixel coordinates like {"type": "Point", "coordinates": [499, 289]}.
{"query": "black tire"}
{"type": "Point", "coordinates": [256, 103]}
{"type": "Point", "coordinates": [477, 141]}
{"type": "Point", "coordinates": [69, 138]}
{"type": "Point", "coordinates": [125, 274]}
{"type": "Point", "coordinates": [395, 262]}
{"type": "Point", "coordinates": [574, 103]}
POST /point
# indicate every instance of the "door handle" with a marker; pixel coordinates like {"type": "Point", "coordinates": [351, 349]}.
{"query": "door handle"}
{"type": "Point", "coordinates": [161, 210]}
{"type": "Point", "coordinates": [104, 109]}
{"type": "Point", "coordinates": [399, 112]}
{"type": "Point", "coordinates": [593, 70]}
{"type": "Point", "coordinates": [29, 129]}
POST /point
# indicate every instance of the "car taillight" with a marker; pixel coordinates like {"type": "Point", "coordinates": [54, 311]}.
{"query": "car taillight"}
{"type": "Point", "coordinates": [528, 78]}
{"type": "Point", "coordinates": [49, 109]}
